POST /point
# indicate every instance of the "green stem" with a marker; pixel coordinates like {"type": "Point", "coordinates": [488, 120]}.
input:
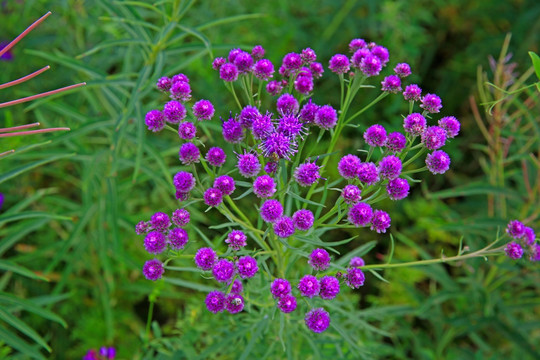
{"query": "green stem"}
{"type": "Point", "coordinates": [149, 320]}
{"type": "Point", "coordinates": [416, 156]}
{"type": "Point", "coordinates": [230, 87]}
{"type": "Point", "coordinates": [377, 99]}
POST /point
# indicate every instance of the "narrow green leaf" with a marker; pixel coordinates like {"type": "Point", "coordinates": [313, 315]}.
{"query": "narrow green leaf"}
{"type": "Point", "coordinates": [24, 328]}
{"type": "Point", "coordinates": [188, 284]}
{"type": "Point", "coordinates": [28, 305]}
{"type": "Point", "coordinates": [301, 199]}
{"type": "Point", "coordinates": [19, 344]}
{"type": "Point", "coordinates": [7, 265]}
{"type": "Point", "coordinates": [536, 63]}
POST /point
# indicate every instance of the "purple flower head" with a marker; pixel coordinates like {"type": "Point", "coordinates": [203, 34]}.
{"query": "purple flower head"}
{"type": "Point", "coordinates": [215, 301]}
{"type": "Point", "coordinates": [178, 238]}
{"type": "Point", "coordinates": [431, 103]}
{"type": "Point", "coordinates": [205, 258]}
{"type": "Point", "coordinates": [360, 214]}
{"type": "Point", "coordinates": [291, 63]}
{"type": "Point", "coordinates": [184, 181]}
{"type": "Point", "coordinates": [262, 126]}
{"type": "Point", "coordinates": [274, 88]}
{"type": "Point", "coordinates": [237, 287]}
{"type": "Point", "coordinates": [317, 320]}
{"type": "Point", "coordinates": [357, 262]}
{"type": "Point", "coordinates": [142, 227]}
{"type": "Point", "coordinates": [234, 303]}
{"type": "Point", "coordinates": [187, 130]}
{"type": "Point", "coordinates": [308, 112]}
{"type": "Point", "coordinates": [263, 69]}
{"type": "Point", "coordinates": [180, 78]}
{"type": "Point", "coordinates": [316, 69]}
{"type": "Point", "coordinates": [396, 142]}
{"type": "Point", "coordinates": [370, 65]}
{"type": "Point", "coordinates": [356, 44]}
{"type": "Point", "coordinates": [309, 286]}
{"type": "Point", "coordinates": [397, 189]}
{"type": "Point", "coordinates": [513, 250]}
{"type": "Point", "coordinates": [278, 144]}
{"type": "Point", "coordinates": [348, 166]}
{"type": "Point", "coordinates": [107, 352]}
{"type": "Point", "coordinates": [284, 227]}
{"type": "Point", "coordinates": [271, 167]}
{"type": "Point", "coordinates": [390, 167]}
{"type": "Point", "coordinates": [326, 117]}
{"type": "Point", "coordinates": [181, 196]}
{"type": "Point", "coordinates": [329, 287]}
{"type": "Point", "coordinates": [375, 135]}
{"type": "Point", "coordinates": [412, 92]}
{"type": "Point", "coordinates": [319, 259]}
{"type": "Point", "coordinates": [308, 56]}
{"type": "Point", "coordinates": [189, 153]}
{"type": "Point", "coordinates": [164, 83]}
{"type": "Point", "coordinates": [216, 156]}
{"type": "Point", "coordinates": [160, 221]}
{"type": "Point", "coordinates": [247, 115]}
{"type": "Point", "coordinates": [223, 270]}
{"type": "Point", "coordinates": [391, 83]}
{"type": "Point", "coordinates": [280, 288]}
{"type": "Point", "coordinates": [339, 64]}
{"type": "Point", "coordinates": [382, 53]}
{"type": "Point", "coordinates": [218, 62]}
{"type": "Point", "coordinates": [351, 194]}
{"type": "Point", "coordinates": [368, 173]}
{"type": "Point", "coordinates": [434, 137]}
{"type": "Point", "coordinates": [303, 219]}
{"type": "Point", "coordinates": [380, 221]}
{"type": "Point", "coordinates": [415, 124]}
{"type": "Point", "coordinates": [213, 197]}
{"type": "Point", "coordinates": [287, 105]}
{"type": "Point", "coordinates": [515, 229]}
{"type": "Point", "coordinates": [287, 303]}
{"type": "Point", "coordinates": [203, 110]}
{"type": "Point", "coordinates": [154, 120]}
{"type": "Point", "coordinates": [174, 112]}
{"type": "Point", "coordinates": [451, 125]}
{"type": "Point", "coordinates": [438, 162]}
{"type": "Point", "coordinates": [247, 267]}
{"type": "Point", "coordinates": [232, 54]}
{"type": "Point", "coordinates": [354, 278]}
{"type": "Point", "coordinates": [225, 184]}
{"type": "Point", "coordinates": [529, 236]}
{"type": "Point", "coordinates": [1, 200]}
{"type": "Point", "coordinates": [264, 186]}
{"type": "Point", "coordinates": [232, 131]}
{"type": "Point", "coordinates": [271, 210]}
{"type": "Point", "coordinates": [153, 269]}
{"type": "Point", "coordinates": [248, 165]}
{"type": "Point", "coordinates": [180, 217]}
{"type": "Point", "coordinates": [236, 239]}
{"type": "Point", "coordinates": [535, 252]}
{"type": "Point", "coordinates": [359, 55]}
{"type": "Point", "coordinates": [402, 70]}
{"type": "Point", "coordinates": [290, 126]}
{"type": "Point", "coordinates": [303, 84]}
{"type": "Point", "coordinates": [243, 62]}
{"type": "Point", "coordinates": [154, 242]}
{"type": "Point", "coordinates": [257, 52]}
{"type": "Point", "coordinates": [307, 174]}
{"type": "Point", "coordinates": [181, 91]}
{"type": "Point", "coordinates": [228, 72]}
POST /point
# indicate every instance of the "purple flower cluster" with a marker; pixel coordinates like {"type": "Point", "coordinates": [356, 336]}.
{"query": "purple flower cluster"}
{"type": "Point", "coordinates": [524, 241]}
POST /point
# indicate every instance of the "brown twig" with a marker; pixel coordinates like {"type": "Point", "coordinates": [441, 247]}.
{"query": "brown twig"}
{"type": "Point", "coordinates": [24, 78]}
{"type": "Point", "coordinates": [24, 33]}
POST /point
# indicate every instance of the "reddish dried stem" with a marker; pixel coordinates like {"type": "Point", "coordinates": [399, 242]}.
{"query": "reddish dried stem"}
{"type": "Point", "coordinates": [6, 153]}
{"type": "Point", "coordinates": [24, 78]}
{"type": "Point", "coordinates": [29, 98]}
{"type": "Point", "coordinates": [20, 133]}
{"type": "Point", "coordinates": [24, 33]}
{"type": "Point", "coordinates": [14, 128]}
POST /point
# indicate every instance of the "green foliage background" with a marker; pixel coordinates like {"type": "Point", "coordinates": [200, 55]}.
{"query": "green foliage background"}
{"type": "Point", "coordinates": [71, 220]}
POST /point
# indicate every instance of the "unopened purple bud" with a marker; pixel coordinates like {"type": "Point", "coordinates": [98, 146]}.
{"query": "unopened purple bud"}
{"type": "Point", "coordinates": [225, 184]}
{"type": "Point", "coordinates": [451, 125]}
{"type": "Point", "coordinates": [153, 269]}
{"type": "Point", "coordinates": [187, 130]}
{"type": "Point", "coordinates": [274, 88]}
{"type": "Point", "coordinates": [391, 83]}
{"type": "Point", "coordinates": [317, 320]}
{"type": "Point", "coordinates": [308, 56]}
{"type": "Point", "coordinates": [397, 189]}
{"type": "Point", "coordinates": [164, 84]}
{"type": "Point", "coordinates": [218, 62]}
{"type": "Point", "coordinates": [431, 103]}
{"type": "Point", "coordinates": [396, 142]}
{"type": "Point", "coordinates": [351, 194]}
{"type": "Point", "coordinates": [271, 210]}
{"type": "Point", "coordinates": [390, 167]}
{"type": "Point", "coordinates": [349, 166]}
{"type": "Point", "coordinates": [263, 69]}
{"type": "Point", "coordinates": [319, 259]}
{"type": "Point", "coordinates": [513, 250]}
{"type": "Point", "coordinates": [415, 124]}
{"type": "Point", "coordinates": [402, 70]}
{"type": "Point", "coordinates": [257, 52]}
{"type": "Point", "coordinates": [412, 92]}
{"type": "Point", "coordinates": [205, 258]}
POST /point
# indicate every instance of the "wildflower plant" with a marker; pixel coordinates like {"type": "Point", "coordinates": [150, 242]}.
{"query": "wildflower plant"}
{"type": "Point", "coordinates": [273, 184]}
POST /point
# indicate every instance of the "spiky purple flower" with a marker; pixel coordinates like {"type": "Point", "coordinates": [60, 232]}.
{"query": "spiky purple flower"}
{"type": "Point", "coordinates": [215, 301]}
{"type": "Point", "coordinates": [348, 166]}
{"type": "Point", "coordinates": [290, 126]}
{"type": "Point", "coordinates": [309, 286]}
{"type": "Point", "coordinates": [232, 131]}
{"type": "Point", "coordinates": [223, 270]}
{"type": "Point", "coordinates": [412, 92]}
{"type": "Point", "coordinates": [380, 221]}
{"type": "Point", "coordinates": [187, 130]}
{"type": "Point", "coordinates": [415, 124]}
{"type": "Point", "coordinates": [357, 262]}
{"type": "Point", "coordinates": [438, 162]}
{"type": "Point", "coordinates": [528, 235]}
{"type": "Point", "coordinates": [402, 70]}
{"type": "Point", "coordinates": [307, 174]}
{"type": "Point", "coordinates": [308, 112]}
{"type": "Point", "coordinates": [356, 44]}
{"type": "Point", "coordinates": [451, 125]}
{"type": "Point", "coordinates": [271, 210]}
{"type": "Point", "coordinates": [164, 84]}
{"type": "Point", "coordinates": [396, 142]}
{"type": "Point", "coordinates": [434, 137]}
{"type": "Point", "coordinates": [375, 135]}
{"type": "Point", "coordinates": [180, 217]}
{"type": "Point", "coordinates": [178, 238]}
{"type": "Point", "coordinates": [216, 156]}
{"type": "Point", "coordinates": [257, 52]}
{"type": "Point", "coordinates": [153, 269]}
{"type": "Point", "coordinates": [397, 189]}
{"type": "Point", "coordinates": [236, 239]}
{"type": "Point", "coordinates": [274, 88]}
{"type": "Point", "coordinates": [339, 64]}
{"type": "Point", "coordinates": [237, 287]}
{"type": "Point", "coordinates": [213, 197]}
{"type": "Point", "coordinates": [234, 303]}
{"type": "Point", "coordinates": [513, 250]}
{"type": "Point", "coordinates": [391, 83]}
{"type": "Point", "coordinates": [303, 219]}
{"type": "Point", "coordinates": [228, 72]}
{"type": "Point", "coordinates": [360, 214]}
{"type": "Point", "coordinates": [264, 186]}
{"type": "Point", "coordinates": [329, 287]}
{"type": "Point", "coordinates": [174, 112]}
{"type": "Point", "coordinates": [278, 143]}
{"type": "Point", "coordinates": [160, 221]}
{"type": "Point", "coordinates": [184, 181]}
{"type": "Point", "coordinates": [247, 267]}
{"type": "Point", "coordinates": [354, 278]}
{"type": "Point", "coordinates": [248, 165]}
{"type": "Point", "coordinates": [287, 303]}
{"type": "Point", "coordinates": [154, 120]}
{"type": "Point", "coordinates": [155, 242]}
{"type": "Point", "coordinates": [308, 56]}
{"type": "Point", "coordinates": [180, 90]}
{"type": "Point", "coordinates": [218, 62]}
{"type": "Point", "coordinates": [390, 167]}
{"type": "Point", "coordinates": [351, 194]}
{"type": "Point", "coordinates": [326, 117]}
{"type": "Point", "coordinates": [370, 65]}
{"type": "Point", "coordinates": [319, 259]}
{"type": "Point", "coordinates": [262, 126]}
{"type": "Point", "coordinates": [225, 184]}
{"type": "Point", "coordinates": [280, 288]}
{"type": "Point", "coordinates": [431, 103]}
{"type": "Point", "coordinates": [243, 62]}
{"type": "Point", "coordinates": [189, 153]}
{"type": "Point", "coordinates": [205, 258]}
{"type": "Point", "coordinates": [368, 173]}
{"type": "Point", "coordinates": [247, 115]}
{"type": "Point", "coordinates": [515, 229]}
{"type": "Point", "coordinates": [203, 110]}
{"type": "Point", "coordinates": [141, 227]}
{"type": "Point", "coordinates": [304, 84]}
{"type": "Point", "coordinates": [284, 227]}
{"type": "Point", "coordinates": [287, 105]}
{"type": "Point", "coordinates": [317, 320]}
{"type": "Point", "coordinates": [316, 69]}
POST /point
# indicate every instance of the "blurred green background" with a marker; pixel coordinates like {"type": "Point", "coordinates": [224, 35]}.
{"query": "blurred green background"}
{"type": "Point", "coordinates": [71, 220]}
